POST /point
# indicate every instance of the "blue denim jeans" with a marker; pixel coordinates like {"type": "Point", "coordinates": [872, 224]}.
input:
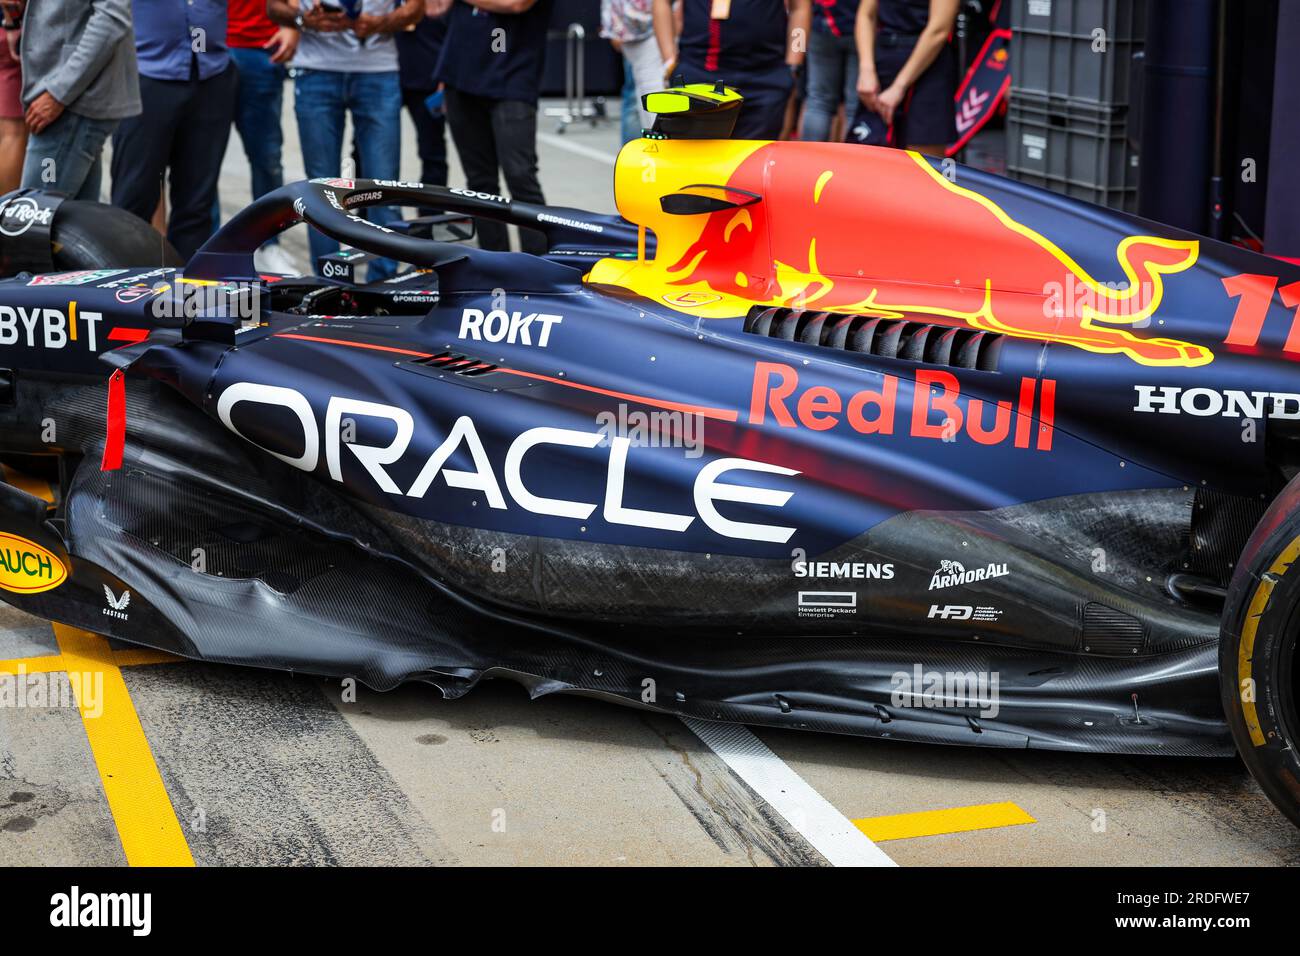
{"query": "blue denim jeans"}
{"type": "Point", "coordinates": [630, 115]}
{"type": "Point", "coordinates": [67, 156]}
{"type": "Point", "coordinates": [322, 98]}
{"type": "Point", "coordinates": [832, 80]}
{"type": "Point", "coordinates": [257, 115]}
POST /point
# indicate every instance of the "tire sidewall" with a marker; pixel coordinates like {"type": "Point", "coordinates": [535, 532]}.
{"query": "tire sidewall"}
{"type": "Point", "coordinates": [1257, 659]}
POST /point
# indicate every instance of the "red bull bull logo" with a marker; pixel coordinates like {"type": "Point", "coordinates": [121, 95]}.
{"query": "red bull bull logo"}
{"type": "Point", "coordinates": [882, 233]}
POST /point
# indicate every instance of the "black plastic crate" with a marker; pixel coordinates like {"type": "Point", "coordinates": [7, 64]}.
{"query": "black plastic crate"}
{"type": "Point", "coordinates": [1075, 150]}
{"type": "Point", "coordinates": [1053, 54]}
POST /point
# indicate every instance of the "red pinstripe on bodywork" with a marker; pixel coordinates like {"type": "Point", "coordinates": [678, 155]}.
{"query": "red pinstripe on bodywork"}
{"type": "Point", "coordinates": [721, 414]}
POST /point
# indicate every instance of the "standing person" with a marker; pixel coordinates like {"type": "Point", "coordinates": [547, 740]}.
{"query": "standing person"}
{"type": "Point", "coordinates": [629, 26]}
{"type": "Point", "coordinates": [492, 70]}
{"type": "Point", "coordinates": [907, 74]}
{"type": "Point", "coordinates": [755, 46]}
{"type": "Point", "coordinates": [346, 65]}
{"type": "Point", "coordinates": [418, 51]}
{"type": "Point", "coordinates": [832, 67]}
{"type": "Point", "coordinates": [79, 82]}
{"type": "Point", "coordinates": [260, 50]}
{"type": "Point", "coordinates": [13, 130]}
{"type": "Point", "coordinates": [188, 88]}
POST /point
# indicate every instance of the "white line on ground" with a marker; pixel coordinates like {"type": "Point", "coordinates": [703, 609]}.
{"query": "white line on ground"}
{"type": "Point", "coordinates": [831, 833]}
{"type": "Point", "coordinates": [578, 149]}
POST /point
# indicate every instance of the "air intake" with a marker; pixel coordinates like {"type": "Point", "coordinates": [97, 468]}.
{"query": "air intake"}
{"type": "Point", "coordinates": [457, 364]}
{"type": "Point", "coordinates": [889, 338]}
{"type": "Point", "coordinates": [1108, 631]}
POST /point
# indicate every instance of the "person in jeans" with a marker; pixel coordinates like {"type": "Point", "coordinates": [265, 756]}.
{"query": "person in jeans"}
{"type": "Point", "coordinates": [260, 50]}
{"type": "Point", "coordinates": [629, 26]}
{"type": "Point", "coordinates": [79, 82]}
{"type": "Point", "coordinates": [754, 46]}
{"type": "Point", "coordinates": [832, 67]}
{"type": "Point", "coordinates": [349, 65]}
{"type": "Point", "coordinates": [492, 70]}
{"type": "Point", "coordinates": [188, 87]}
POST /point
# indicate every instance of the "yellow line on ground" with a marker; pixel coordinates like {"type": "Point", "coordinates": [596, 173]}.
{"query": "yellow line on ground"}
{"type": "Point", "coordinates": [45, 664]}
{"type": "Point", "coordinates": [904, 826]}
{"type": "Point", "coordinates": [126, 657]}
{"type": "Point", "coordinates": [33, 486]}
{"type": "Point", "coordinates": [138, 656]}
{"type": "Point", "coordinates": [146, 822]}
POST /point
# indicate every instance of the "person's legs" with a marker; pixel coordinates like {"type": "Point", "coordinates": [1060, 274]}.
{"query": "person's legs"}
{"type": "Point", "coordinates": [13, 148]}
{"type": "Point", "coordinates": [319, 103]}
{"type": "Point", "coordinates": [66, 156]}
{"type": "Point", "coordinates": [471, 122]}
{"type": "Point", "coordinates": [849, 51]}
{"type": "Point", "coordinates": [375, 100]}
{"type": "Point", "coordinates": [89, 146]}
{"type": "Point", "coordinates": [13, 131]}
{"type": "Point", "coordinates": [866, 126]}
{"type": "Point", "coordinates": [929, 121]}
{"type": "Point", "coordinates": [430, 137]}
{"type": "Point", "coordinates": [197, 151]}
{"type": "Point", "coordinates": [762, 115]}
{"type": "Point", "coordinates": [647, 71]}
{"type": "Point", "coordinates": [514, 126]}
{"type": "Point", "coordinates": [629, 115]}
{"type": "Point", "coordinates": [142, 145]}
{"type": "Point", "coordinates": [257, 116]}
{"type": "Point", "coordinates": [825, 86]}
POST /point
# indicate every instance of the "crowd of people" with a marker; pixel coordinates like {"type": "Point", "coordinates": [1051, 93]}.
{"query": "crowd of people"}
{"type": "Point", "coordinates": [870, 71]}
{"type": "Point", "coordinates": [164, 81]}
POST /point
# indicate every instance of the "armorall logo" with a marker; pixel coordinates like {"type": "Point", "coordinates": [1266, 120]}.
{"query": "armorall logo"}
{"type": "Point", "coordinates": [952, 573]}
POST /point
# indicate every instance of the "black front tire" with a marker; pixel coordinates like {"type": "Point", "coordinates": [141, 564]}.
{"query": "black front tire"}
{"type": "Point", "coordinates": [1259, 664]}
{"type": "Point", "coordinates": [92, 235]}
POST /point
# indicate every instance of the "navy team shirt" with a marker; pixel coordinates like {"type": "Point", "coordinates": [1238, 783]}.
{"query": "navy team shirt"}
{"type": "Point", "coordinates": [835, 17]}
{"type": "Point", "coordinates": [905, 17]}
{"type": "Point", "coordinates": [504, 66]}
{"type": "Point", "coordinates": [750, 42]}
{"type": "Point", "coordinates": [418, 51]}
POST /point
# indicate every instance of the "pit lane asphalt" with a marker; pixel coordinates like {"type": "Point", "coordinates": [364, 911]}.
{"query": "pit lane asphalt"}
{"type": "Point", "coordinates": [269, 768]}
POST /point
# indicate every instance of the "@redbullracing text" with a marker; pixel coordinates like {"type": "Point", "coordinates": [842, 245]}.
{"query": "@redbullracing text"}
{"type": "Point", "coordinates": [1182, 909]}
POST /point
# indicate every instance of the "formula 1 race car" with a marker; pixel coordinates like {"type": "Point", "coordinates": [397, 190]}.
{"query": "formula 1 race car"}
{"type": "Point", "coordinates": [813, 435]}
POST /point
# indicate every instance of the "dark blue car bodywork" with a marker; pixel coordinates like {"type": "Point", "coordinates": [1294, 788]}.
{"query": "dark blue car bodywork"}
{"type": "Point", "coordinates": [493, 466]}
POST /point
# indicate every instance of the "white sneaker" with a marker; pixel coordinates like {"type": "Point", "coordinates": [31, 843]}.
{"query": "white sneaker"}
{"type": "Point", "coordinates": [273, 259]}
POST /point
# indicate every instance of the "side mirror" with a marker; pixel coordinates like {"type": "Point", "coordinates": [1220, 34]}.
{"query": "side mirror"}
{"type": "Point", "coordinates": [443, 227]}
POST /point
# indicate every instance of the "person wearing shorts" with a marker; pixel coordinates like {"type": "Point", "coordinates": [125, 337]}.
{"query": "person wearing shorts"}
{"type": "Point", "coordinates": [13, 131]}
{"type": "Point", "coordinates": [907, 75]}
